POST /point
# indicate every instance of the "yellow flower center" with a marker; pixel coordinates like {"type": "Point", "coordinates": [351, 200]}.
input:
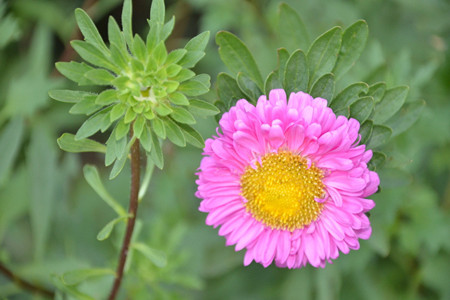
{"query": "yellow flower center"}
{"type": "Point", "coordinates": [280, 192]}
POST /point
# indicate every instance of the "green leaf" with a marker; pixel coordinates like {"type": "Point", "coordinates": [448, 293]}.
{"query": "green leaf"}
{"type": "Point", "coordinates": [380, 135]}
{"type": "Point", "coordinates": [354, 40]}
{"type": "Point", "coordinates": [272, 82]}
{"type": "Point", "coordinates": [322, 54]}
{"type": "Point", "coordinates": [160, 53]}
{"type": "Point", "coordinates": [348, 95]}
{"type": "Point", "coordinates": [178, 98]}
{"type": "Point", "coordinates": [68, 143]}
{"type": "Point", "coordinates": [87, 106]}
{"type": "Point", "coordinates": [173, 70]}
{"type": "Point", "coordinates": [78, 276]}
{"type": "Point", "coordinates": [69, 96]}
{"type": "Point", "coordinates": [150, 166]}
{"type": "Point", "coordinates": [10, 141]}
{"type": "Point", "coordinates": [167, 29]}
{"type": "Point", "coordinates": [174, 56]}
{"type": "Point", "coordinates": [42, 165]}
{"type": "Point", "coordinates": [139, 48]}
{"type": "Point", "coordinates": [93, 178]}
{"type": "Point", "coordinates": [200, 107]}
{"type": "Point", "coordinates": [122, 129]}
{"type": "Point", "coordinates": [291, 28]}
{"type": "Point", "coordinates": [377, 91]}
{"type": "Point", "coordinates": [107, 97]}
{"type": "Point", "coordinates": [193, 88]}
{"type": "Point", "coordinates": [296, 75]}
{"type": "Point", "coordinates": [157, 11]}
{"type": "Point", "coordinates": [91, 125]}
{"type": "Point", "coordinates": [100, 76]}
{"type": "Point", "coordinates": [126, 22]}
{"type": "Point", "coordinates": [198, 43]}
{"type": "Point", "coordinates": [228, 89]}
{"type": "Point", "coordinates": [323, 87]}
{"type": "Point", "coordinates": [405, 117]}
{"type": "Point", "coordinates": [191, 58]}
{"type": "Point", "coordinates": [117, 167]}
{"type": "Point", "coordinates": [90, 32]}
{"type": "Point", "coordinates": [159, 128]}
{"type": "Point", "coordinates": [117, 111]}
{"type": "Point", "coordinates": [157, 257]}
{"type": "Point", "coordinates": [184, 75]}
{"type": "Point", "coordinates": [362, 108]}
{"type": "Point", "coordinates": [130, 115]}
{"type": "Point", "coordinates": [174, 133]}
{"type": "Point", "coordinates": [138, 126]}
{"type": "Point", "coordinates": [181, 115]}
{"type": "Point", "coordinates": [92, 55]}
{"type": "Point", "coordinates": [192, 136]}
{"type": "Point", "coordinates": [392, 101]}
{"type": "Point", "coordinates": [156, 154]}
{"type": "Point", "coordinates": [237, 57]}
{"type": "Point", "coordinates": [378, 159]}
{"type": "Point", "coordinates": [249, 87]}
{"type": "Point", "coordinates": [75, 71]}
{"type": "Point", "coordinates": [116, 38]}
{"type": "Point", "coordinates": [105, 232]}
{"type": "Point", "coordinates": [365, 131]}
{"type": "Point", "coordinates": [282, 57]}
{"type": "Point", "coordinates": [146, 138]}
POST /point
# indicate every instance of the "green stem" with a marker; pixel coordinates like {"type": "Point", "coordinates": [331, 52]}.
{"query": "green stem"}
{"type": "Point", "coordinates": [35, 289]}
{"type": "Point", "coordinates": [134, 196]}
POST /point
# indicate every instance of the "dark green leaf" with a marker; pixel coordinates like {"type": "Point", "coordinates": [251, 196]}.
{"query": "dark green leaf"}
{"type": "Point", "coordinates": [291, 28]}
{"type": "Point", "coordinates": [377, 91]}
{"type": "Point", "coordinates": [349, 95]}
{"type": "Point", "coordinates": [380, 135]}
{"type": "Point", "coordinates": [296, 75]}
{"type": "Point", "coordinates": [323, 87]}
{"type": "Point", "coordinates": [237, 57]}
{"type": "Point", "coordinates": [105, 232]}
{"type": "Point", "coordinates": [78, 276]}
{"type": "Point", "coordinates": [249, 87]}
{"type": "Point", "coordinates": [182, 116]}
{"type": "Point", "coordinates": [157, 257]}
{"type": "Point", "coordinates": [354, 40]}
{"type": "Point", "coordinates": [272, 82]}
{"type": "Point", "coordinates": [365, 131]}
{"type": "Point", "coordinates": [405, 117]}
{"type": "Point", "coordinates": [228, 89]}
{"type": "Point", "coordinates": [392, 101]}
{"type": "Point", "coordinates": [377, 160]}
{"type": "Point", "coordinates": [68, 143]}
{"type": "Point", "coordinates": [192, 136]}
{"type": "Point", "coordinates": [282, 56]}
{"type": "Point", "coordinates": [362, 108]}
{"type": "Point", "coordinates": [322, 54]}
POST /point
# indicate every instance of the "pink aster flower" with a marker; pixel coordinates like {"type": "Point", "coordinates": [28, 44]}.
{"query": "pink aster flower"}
{"type": "Point", "coordinates": [287, 181]}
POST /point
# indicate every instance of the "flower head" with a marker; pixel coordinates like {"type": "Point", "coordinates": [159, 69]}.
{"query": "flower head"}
{"type": "Point", "coordinates": [287, 181]}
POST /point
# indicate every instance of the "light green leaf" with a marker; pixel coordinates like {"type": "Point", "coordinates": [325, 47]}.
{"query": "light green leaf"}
{"type": "Point", "coordinates": [146, 178]}
{"type": "Point", "coordinates": [107, 97]}
{"type": "Point", "coordinates": [272, 82]}
{"type": "Point", "coordinates": [42, 165]}
{"type": "Point", "coordinates": [87, 106]}
{"type": "Point", "coordinates": [138, 126]}
{"type": "Point", "coordinates": [115, 37]}
{"type": "Point", "coordinates": [90, 32]}
{"type": "Point", "coordinates": [100, 76]}
{"type": "Point", "coordinates": [183, 116]}
{"type": "Point", "coordinates": [156, 154]}
{"type": "Point", "coordinates": [157, 11]}
{"type": "Point", "coordinates": [193, 88]}
{"type": "Point", "coordinates": [249, 87]}
{"type": "Point", "coordinates": [10, 141]}
{"type": "Point", "coordinates": [291, 28]}
{"type": "Point", "coordinates": [126, 22]}
{"type": "Point", "coordinates": [296, 75]}
{"type": "Point", "coordinates": [105, 232]}
{"type": "Point", "coordinates": [146, 139]}
{"type": "Point", "coordinates": [348, 95]}
{"type": "Point", "coordinates": [192, 136]}
{"type": "Point", "coordinates": [75, 71]}
{"type": "Point", "coordinates": [178, 98]}
{"type": "Point", "coordinates": [92, 55]}
{"type": "Point", "coordinates": [392, 101]}
{"type": "Point", "coordinates": [198, 43]}
{"type": "Point", "coordinates": [93, 178]}
{"type": "Point", "coordinates": [362, 108]}
{"type": "Point", "coordinates": [78, 276]}
{"type": "Point", "coordinates": [157, 257]}
{"type": "Point", "coordinates": [117, 167]}
{"type": "Point", "coordinates": [117, 111]}
{"type": "Point", "coordinates": [159, 128]}
{"type": "Point", "coordinates": [322, 54]}
{"type": "Point", "coordinates": [405, 117]}
{"type": "Point", "coordinates": [167, 29]}
{"type": "Point", "coordinates": [122, 129]}
{"type": "Point", "coordinates": [380, 135]}
{"type": "Point", "coordinates": [174, 56]}
{"type": "Point", "coordinates": [174, 133]}
{"type": "Point", "coordinates": [323, 87]}
{"type": "Point", "coordinates": [91, 125]}
{"type": "Point", "coordinates": [354, 40]}
{"type": "Point", "coordinates": [69, 96]}
{"type": "Point", "coordinates": [68, 143]}
{"type": "Point", "coordinates": [237, 57]}
{"type": "Point", "coordinates": [160, 53]}
{"type": "Point", "coordinates": [203, 108]}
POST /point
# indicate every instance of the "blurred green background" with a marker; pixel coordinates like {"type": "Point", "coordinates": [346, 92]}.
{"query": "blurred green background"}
{"type": "Point", "coordinates": [50, 217]}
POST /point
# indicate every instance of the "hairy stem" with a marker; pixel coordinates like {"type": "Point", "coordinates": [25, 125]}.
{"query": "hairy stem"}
{"type": "Point", "coordinates": [134, 194]}
{"type": "Point", "coordinates": [35, 289]}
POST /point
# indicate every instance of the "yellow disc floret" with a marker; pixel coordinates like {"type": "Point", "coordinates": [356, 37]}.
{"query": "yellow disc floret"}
{"type": "Point", "coordinates": [280, 191]}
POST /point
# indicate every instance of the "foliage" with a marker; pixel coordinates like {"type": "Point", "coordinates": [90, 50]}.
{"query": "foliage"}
{"type": "Point", "coordinates": [55, 230]}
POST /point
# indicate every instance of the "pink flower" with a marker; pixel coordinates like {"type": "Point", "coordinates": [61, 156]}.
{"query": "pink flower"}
{"type": "Point", "coordinates": [287, 181]}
